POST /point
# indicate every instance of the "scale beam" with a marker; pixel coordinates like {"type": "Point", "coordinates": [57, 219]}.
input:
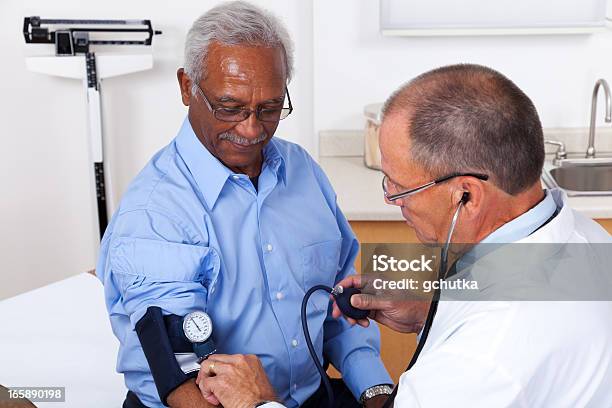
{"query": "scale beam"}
{"type": "Point", "coordinates": [73, 40]}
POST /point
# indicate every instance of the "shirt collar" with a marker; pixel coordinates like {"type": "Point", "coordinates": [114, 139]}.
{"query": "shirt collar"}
{"type": "Point", "coordinates": [274, 158]}
{"type": "Point", "coordinates": [525, 224]}
{"type": "Point", "coordinates": [209, 173]}
{"type": "Point", "coordinates": [513, 231]}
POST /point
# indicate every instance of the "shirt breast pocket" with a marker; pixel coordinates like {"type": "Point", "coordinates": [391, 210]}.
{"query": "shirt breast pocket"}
{"type": "Point", "coordinates": [320, 264]}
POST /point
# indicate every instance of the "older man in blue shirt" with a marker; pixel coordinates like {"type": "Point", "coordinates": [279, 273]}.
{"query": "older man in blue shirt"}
{"type": "Point", "coordinates": [230, 221]}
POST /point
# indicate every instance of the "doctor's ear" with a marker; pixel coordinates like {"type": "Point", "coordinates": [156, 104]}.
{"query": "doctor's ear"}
{"type": "Point", "coordinates": [470, 194]}
{"type": "Point", "coordinates": [184, 85]}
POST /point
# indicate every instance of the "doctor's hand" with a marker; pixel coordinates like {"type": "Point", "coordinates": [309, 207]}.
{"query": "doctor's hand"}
{"type": "Point", "coordinates": [405, 316]}
{"type": "Point", "coordinates": [234, 381]}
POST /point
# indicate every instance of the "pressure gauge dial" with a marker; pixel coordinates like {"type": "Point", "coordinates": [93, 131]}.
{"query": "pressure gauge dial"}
{"type": "Point", "coordinates": [197, 326]}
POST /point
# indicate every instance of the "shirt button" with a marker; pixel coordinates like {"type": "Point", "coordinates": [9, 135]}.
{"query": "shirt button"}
{"type": "Point", "coordinates": [294, 387]}
{"type": "Point", "coordinates": [294, 343]}
{"type": "Point", "coordinates": [279, 295]}
{"type": "Point", "coordinates": [235, 177]}
{"type": "Point", "coordinates": [269, 248]}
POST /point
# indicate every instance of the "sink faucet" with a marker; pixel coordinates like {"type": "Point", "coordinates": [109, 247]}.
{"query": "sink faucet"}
{"type": "Point", "coordinates": [590, 153]}
{"type": "Point", "coordinates": [560, 154]}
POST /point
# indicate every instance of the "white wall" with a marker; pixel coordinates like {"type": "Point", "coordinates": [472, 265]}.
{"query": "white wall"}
{"type": "Point", "coordinates": [355, 65]}
{"type": "Point", "coordinates": [46, 225]}
{"type": "Point", "coordinates": [343, 63]}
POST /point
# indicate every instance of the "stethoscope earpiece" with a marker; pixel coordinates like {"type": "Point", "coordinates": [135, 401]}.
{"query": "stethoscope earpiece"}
{"type": "Point", "coordinates": [465, 197]}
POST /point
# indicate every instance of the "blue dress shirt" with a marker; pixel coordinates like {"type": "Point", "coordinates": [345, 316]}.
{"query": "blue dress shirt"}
{"type": "Point", "coordinates": [190, 234]}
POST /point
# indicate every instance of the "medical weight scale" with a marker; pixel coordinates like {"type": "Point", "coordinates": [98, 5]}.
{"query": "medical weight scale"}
{"type": "Point", "coordinates": [74, 59]}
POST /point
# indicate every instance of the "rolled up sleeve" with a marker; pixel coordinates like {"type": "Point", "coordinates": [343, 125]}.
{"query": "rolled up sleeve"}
{"type": "Point", "coordinates": [154, 264]}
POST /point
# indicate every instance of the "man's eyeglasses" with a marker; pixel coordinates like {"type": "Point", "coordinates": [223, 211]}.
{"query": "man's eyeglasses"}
{"type": "Point", "coordinates": [393, 197]}
{"type": "Point", "coordinates": [239, 114]}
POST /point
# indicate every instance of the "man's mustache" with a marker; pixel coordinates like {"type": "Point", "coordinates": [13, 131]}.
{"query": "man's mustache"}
{"type": "Point", "coordinates": [242, 140]}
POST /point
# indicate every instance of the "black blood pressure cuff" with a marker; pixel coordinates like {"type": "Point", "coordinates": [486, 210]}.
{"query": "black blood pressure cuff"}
{"type": "Point", "coordinates": [161, 337]}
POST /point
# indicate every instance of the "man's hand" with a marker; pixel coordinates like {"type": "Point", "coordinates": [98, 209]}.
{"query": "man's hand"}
{"type": "Point", "coordinates": [406, 316]}
{"type": "Point", "coordinates": [187, 395]}
{"type": "Point", "coordinates": [235, 381]}
{"type": "Point", "coordinates": [376, 402]}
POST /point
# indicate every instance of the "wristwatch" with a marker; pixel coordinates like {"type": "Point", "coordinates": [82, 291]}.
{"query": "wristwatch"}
{"type": "Point", "coordinates": [381, 389]}
{"type": "Point", "coordinates": [197, 327]}
{"type": "Point", "coordinates": [261, 403]}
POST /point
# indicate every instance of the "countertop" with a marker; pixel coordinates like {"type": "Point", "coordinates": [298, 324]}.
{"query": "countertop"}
{"type": "Point", "coordinates": [359, 188]}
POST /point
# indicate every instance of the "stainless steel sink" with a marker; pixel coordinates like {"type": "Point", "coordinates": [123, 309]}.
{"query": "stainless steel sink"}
{"type": "Point", "coordinates": [590, 175]}
{"type": "Point", "coordinates": [580, 178]}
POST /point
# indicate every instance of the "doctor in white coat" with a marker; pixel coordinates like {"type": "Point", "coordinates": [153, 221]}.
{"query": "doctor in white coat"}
{"type": "Point", "coordinates": [463, 142]}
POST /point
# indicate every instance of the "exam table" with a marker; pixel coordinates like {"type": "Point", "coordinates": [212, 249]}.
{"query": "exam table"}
{"type": "Point", "coordinates": [60, 336]}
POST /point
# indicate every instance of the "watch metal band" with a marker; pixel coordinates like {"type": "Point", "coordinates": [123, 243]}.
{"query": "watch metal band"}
{"type": "Point", "coordinates": [261, 403]}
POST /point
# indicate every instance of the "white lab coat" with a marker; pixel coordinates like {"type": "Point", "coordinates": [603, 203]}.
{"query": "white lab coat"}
{"type": "Point", "coordinates": [519, 353]}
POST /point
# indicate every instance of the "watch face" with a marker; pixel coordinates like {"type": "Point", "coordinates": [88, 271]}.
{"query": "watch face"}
{"type": "Point", "coordinates": [197, 327]}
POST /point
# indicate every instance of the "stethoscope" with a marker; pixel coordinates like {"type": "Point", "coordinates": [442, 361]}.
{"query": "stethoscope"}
{"type": "Point", "coordinates": [443, 272]}
{"type": "Point", "coordinates": [343, 300]}
{"type": "Point", "coordinates": [433, 308]}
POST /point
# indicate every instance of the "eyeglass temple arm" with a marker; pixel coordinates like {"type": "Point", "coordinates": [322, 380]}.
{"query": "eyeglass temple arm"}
{"type": "Point", "coordinates": [392, 197]}
{"type": "Point", "coordinates": [288, 98]}
{"type": "Point", "coordinates": [482, 177]}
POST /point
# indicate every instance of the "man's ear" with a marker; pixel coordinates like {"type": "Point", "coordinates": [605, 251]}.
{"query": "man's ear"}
{"type": "Point", "coordinates": [471, 193]}
{"type": "Point", "coordinates": [184, 85]}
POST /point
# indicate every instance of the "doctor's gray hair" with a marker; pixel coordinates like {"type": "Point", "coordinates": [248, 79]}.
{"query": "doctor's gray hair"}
{"type": "Point", "coordinates": [234, 23]}
{"type": "Point", "coordinates": [470, 118]}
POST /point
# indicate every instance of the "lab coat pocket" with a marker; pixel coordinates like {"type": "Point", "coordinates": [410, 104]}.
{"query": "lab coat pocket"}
{"type": "Point", "coordinates": [320, 267]}
{"type": "Point", "coordinates": [161, 261]}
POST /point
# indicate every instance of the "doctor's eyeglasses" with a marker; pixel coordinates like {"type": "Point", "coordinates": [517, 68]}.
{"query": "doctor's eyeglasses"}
{"type": "Point", "coordinates": [239, 114]}
{"type": "Point", "coordinates": [392, 197]}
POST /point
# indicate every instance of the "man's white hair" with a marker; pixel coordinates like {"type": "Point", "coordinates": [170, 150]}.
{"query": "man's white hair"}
{"type": "Point", "coordinates": [232, 23]}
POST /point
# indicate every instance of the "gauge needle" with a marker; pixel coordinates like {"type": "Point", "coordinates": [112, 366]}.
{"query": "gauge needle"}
{"type": "Point", "coordinates": [196, 325]}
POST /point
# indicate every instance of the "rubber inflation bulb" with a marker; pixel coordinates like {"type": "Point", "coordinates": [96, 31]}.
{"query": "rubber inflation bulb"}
{"type": "Point", "coordinates": [343, 300]}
